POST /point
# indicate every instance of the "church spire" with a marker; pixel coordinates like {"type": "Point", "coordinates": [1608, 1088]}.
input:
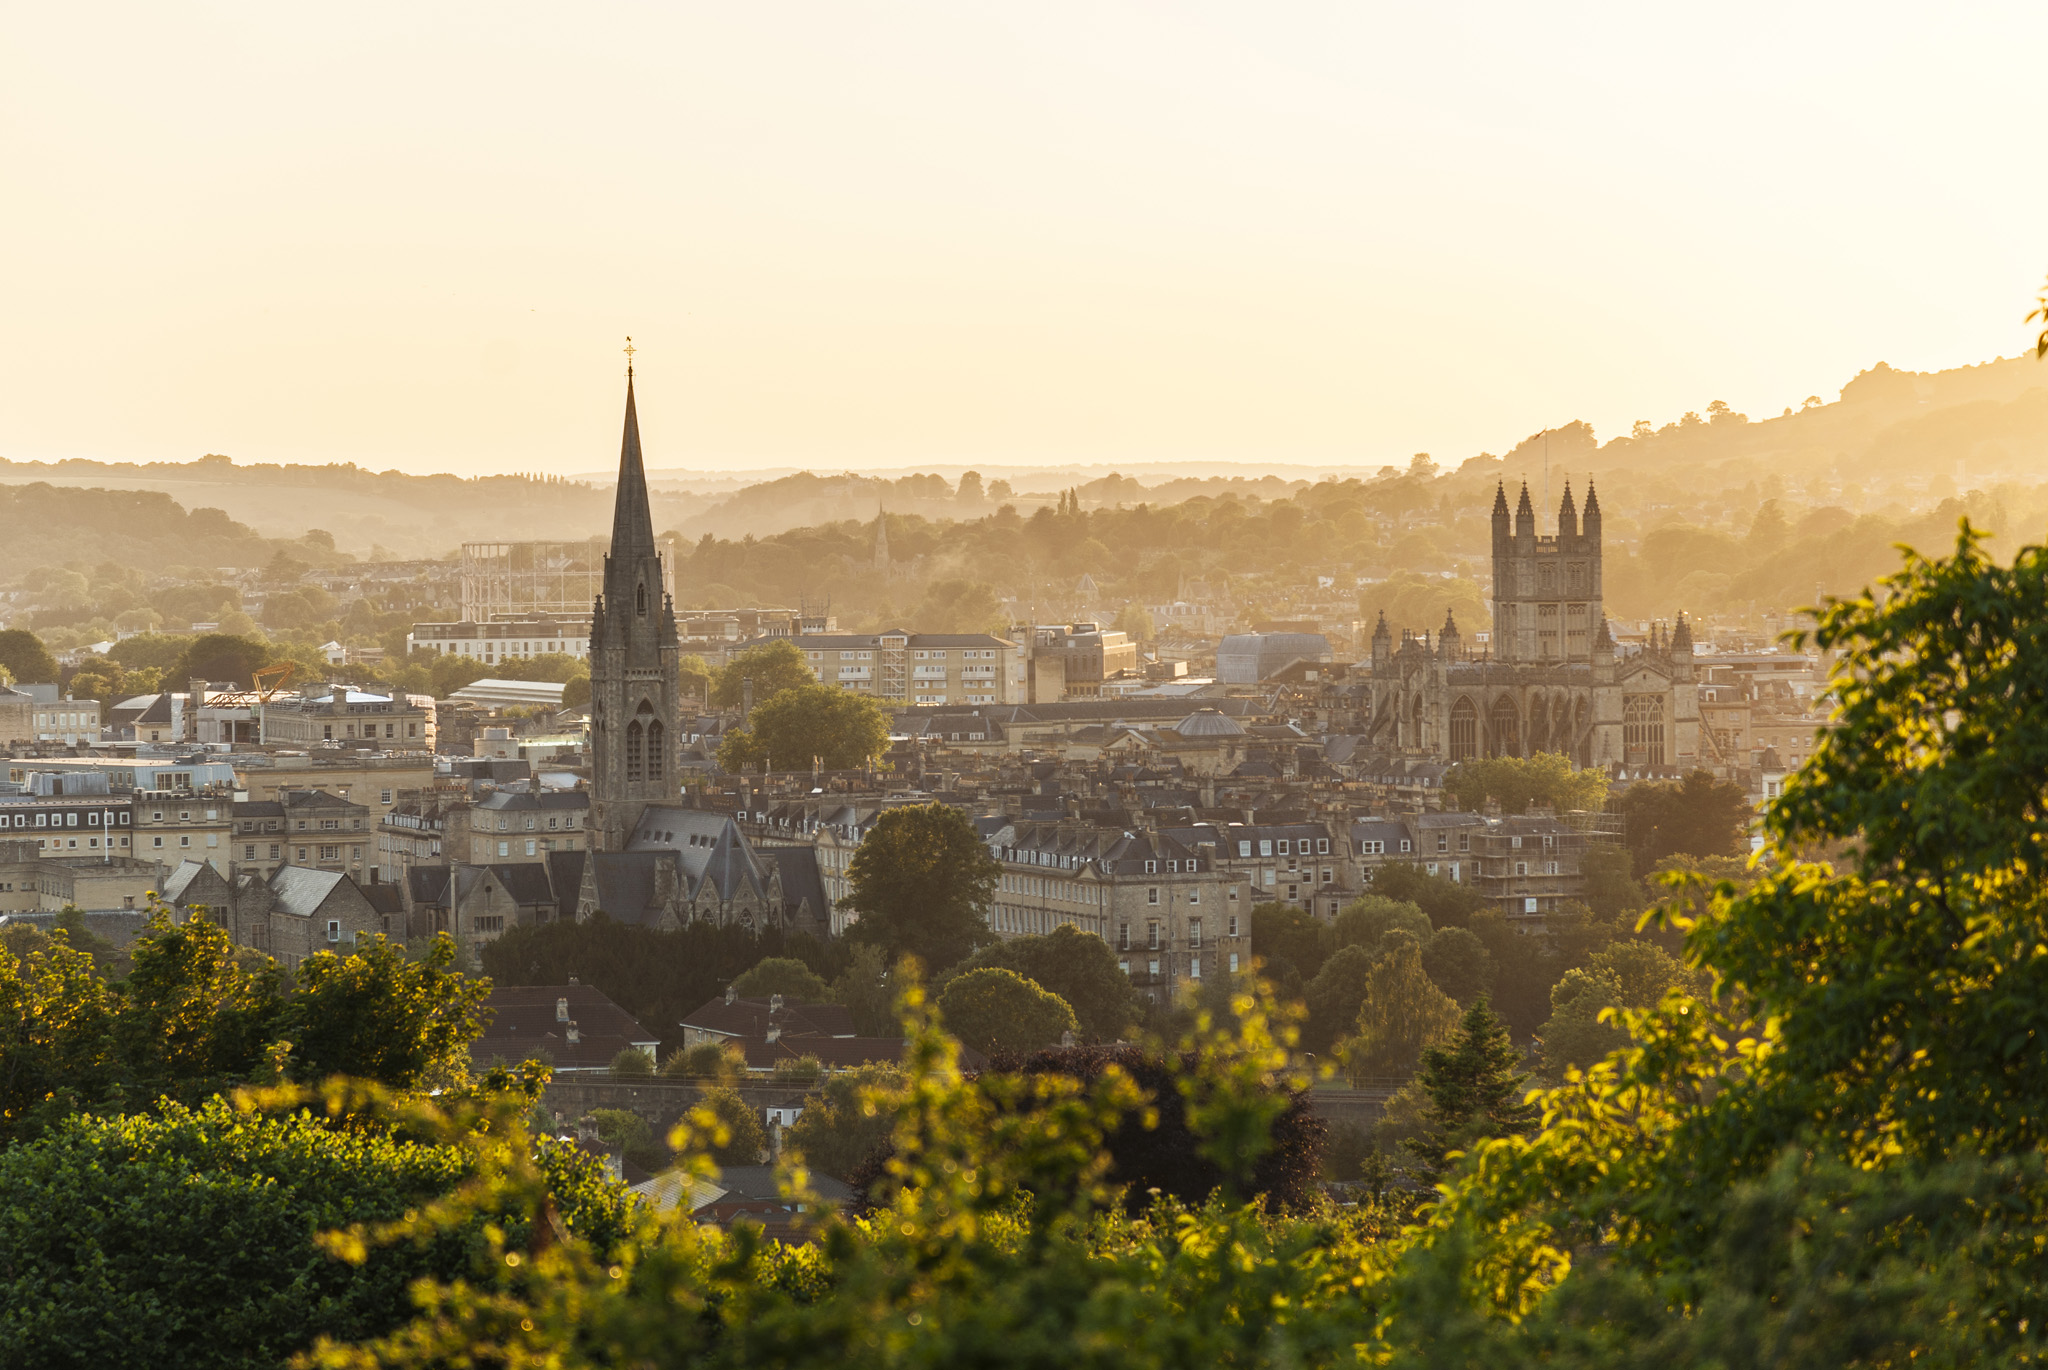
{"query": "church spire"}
{"type": "Point", "coordinates": [632, 519]}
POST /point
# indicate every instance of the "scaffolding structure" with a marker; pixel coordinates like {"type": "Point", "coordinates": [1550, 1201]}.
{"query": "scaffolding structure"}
{"type": "Point", "coordinates": [523, 579]}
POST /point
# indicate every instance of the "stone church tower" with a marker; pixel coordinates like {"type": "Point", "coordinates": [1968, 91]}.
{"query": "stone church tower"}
{"type": "Point", "coordinates": [633, 663]}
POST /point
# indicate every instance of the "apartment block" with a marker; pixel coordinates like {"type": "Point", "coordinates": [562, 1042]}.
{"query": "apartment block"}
{"type": "Point", "coordinates": [916, 668]}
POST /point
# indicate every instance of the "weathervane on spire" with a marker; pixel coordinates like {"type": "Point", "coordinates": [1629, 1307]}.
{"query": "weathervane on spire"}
{"type": "Point", "coordinates": [629, 356]}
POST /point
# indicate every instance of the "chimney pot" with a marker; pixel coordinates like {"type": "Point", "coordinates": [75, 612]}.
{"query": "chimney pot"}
{"type": "Point", "coordinates": [574, 1035]}
{"type": "Point", "coordinates": [561, 1010]}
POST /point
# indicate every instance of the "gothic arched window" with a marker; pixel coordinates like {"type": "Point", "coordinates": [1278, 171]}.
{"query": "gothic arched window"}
{"type": "Point", "coordinates": [1506, 726]}
{"type": "Point", "coordinates": [633, 763]}
{"type": "Point", "coordinates": [1642, 729]}
{"type": "Point", "coordinates": [657, 750]}
{"type": "Point", "coordinates": [1464, 730]}
{"type": "Point", "coordinates": [640, 600]}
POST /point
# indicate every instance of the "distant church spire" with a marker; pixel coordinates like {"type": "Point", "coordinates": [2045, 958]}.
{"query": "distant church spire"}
{"type": "Point", "coordinates": [881, 539]}
{"type": "Point", "coordinates": [634, 660]}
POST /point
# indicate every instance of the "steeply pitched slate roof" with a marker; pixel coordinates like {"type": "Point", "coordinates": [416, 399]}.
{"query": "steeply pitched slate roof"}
{"type": "Point", "coordinates": [709, 845]}
{"type": "Point", "coordinates": [300, 890]}
{"type": "Point", "coordinates": [801, 882]}
{"type": "Point", "coordinates": [385, 899]}
{"type": "Point", "coordinates": [626, 882]}
{"type": "Point", "coordinates": [526, 882]}
{"type": "Point", "coordinates": [184, 877]}
{"type": "Point", "coordinates": [565, 874]}
{"type": "Point", "coordinates": [428, 884]}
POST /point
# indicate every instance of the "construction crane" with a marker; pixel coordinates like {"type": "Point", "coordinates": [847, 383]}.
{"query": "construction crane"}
{"type": "Point", "coordinates": [271, 679]}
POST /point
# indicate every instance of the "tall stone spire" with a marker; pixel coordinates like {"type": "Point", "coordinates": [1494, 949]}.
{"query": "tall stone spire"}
{"type": "Point", "coordinates": [1525, 515]}
{"type": "Point", "coordinates": [1567, 514]}
{"type": "Point", "coordinates": [632, 519]}
{"type": "Point", "coordinates": [634, 662]}
{"type": "Point", "coordinates": [881, 539]}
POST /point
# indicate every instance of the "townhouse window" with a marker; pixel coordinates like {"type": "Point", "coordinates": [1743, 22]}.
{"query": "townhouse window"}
{"type": "Point", "coordinates": [334, 929]}
{"type": "Point", "coordinates": [355, 853]}
{"type": "Point", "coordinates": [1515, 842]}
{"type": "Point", "coordinates": [1521, 868]}
{"type": "Point", "coordinates": [1233, 963]}
{"type": "Point", "coordinates": [1194, 968]}
{"type": "Point", "coordinates": [1152, 967]}
{"type": "Point", "coordinates": [1233, 894]}
{"type": "Point", "coordinates": [1151, 868]}
{"type": "Point", "coordinates": [1244, 848]}
{"type": "Point", "coordinates": [1329, 875]}
{"type": "Point", "coordinates": [1233, 926]}
{"type": "Point", "coordinates": [249, 852]}
{"type": "Point", "coordinates": [1464, 841]}
{"type": "Point", "coordinates": [1271, 877]}
{"type": "Point", "coordinates": [330, 853]}
{"type": "Point", "coordinates": [1406, 845]}
{"type": "Point", "coordinates": [1194, 896]}
{"type": "Point", "coordinates": [1322, 846]}
{"type": "Point", "coordinates": [273, 851]}
{"type": "Point", "coordinates": [1283, 846]}
{"type": "Point", "coordinates": [1152, 933]}
{"type": "Point", "coordinates": [1123, 936]}
{"type": "Point", "coordinates": [1443, 842]}
{"type": "Point", "coordinates": [383, 796]}
{"type": "Point", "coordinates": [1152, 895]}
{"type": "Point", "coordinates": [1194, 932]}
{"type": "Point", "coordinates": [504, 849]}
{"type": "Point", "coordinates": [1123, 964]}
{"type": "Point", "coordinates": [529, 846]}
{"type": "Point", "coordinates": [1265, 846]}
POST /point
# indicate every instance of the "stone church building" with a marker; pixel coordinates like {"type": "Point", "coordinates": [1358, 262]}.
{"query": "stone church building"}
{"type": "Point", "coordinates": [652, 860]}
{"type": "Point", "coordinates": [1553, 678]}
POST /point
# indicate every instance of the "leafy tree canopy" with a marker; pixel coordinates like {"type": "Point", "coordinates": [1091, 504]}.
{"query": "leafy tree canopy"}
{"type": "Point", "coordinates": [992, 1009]}
{"type": "Point", "coordinates": [784, 975]}
{"type": "Point", "coordinates": [772, 667]}
{"type": "Point", "coordinates": [1077, 966]}
{"type": "Point", "coordinates": [25, 658]}
{"type": "Point", "coordinates": [1699, 817]}
{"type": "Point", "coordinates": [920, 882]}
{"type": "Point", "coordinates": [840, 730]}
{"type": "Point", "coordinates": [1517, 782]}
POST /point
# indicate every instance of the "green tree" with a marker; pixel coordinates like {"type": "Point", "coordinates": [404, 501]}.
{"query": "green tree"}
{"type": "Point", "coordinates": [746, 1139]}
{"type": "Point", "coordinates": [868, 990]}
{"type": "Point", "coordinates": [1628, 974]}
{"type": "Point", "coordinates": [1474, 1090]}
{"type": "Point", "coordinates": [381, 1015]}
{"type": "Point", "coordinates": [1448, 903]}
{"type": "Point", "coordinates": [1334, 997]}
{"type": "Point", "coordinates": [631, 1064]}
{"type": "Point", "coordinates": [772, 667]}
{"type": "Point", "coordinates": [1458, 963]}
{"type": "Point", "coordinates": [1288, 941]}
{"type": "Point", "coordinates": [630, 1133]}
{"type": "Point", "coordinates": [26, 659]}
{"type": "Point", "coordinates": [1367, 922]}
{"type": "Point", "coordinates": [1077, 966]}
{"type": "Point", "coordinates": [221, 657]}
{"type": "Point", "coordinates": [707, 1061]}
{"type": "Point", "coordinates": [1700, 816]}
{"type": "Point", "coordinates": [848, 1120]}
{"type": "Point", "coordinates": [784, 975]}
{"type": "Point", "coordinates": [921, 881]}
{"type": "Point", "coordinates": [959, 606]}
{"type": "Point", "coordinates": [840, 729]}
{"type": "Point", "coordinates": [1515, 783]}
{"type": "Point", "coordinates": [1402, 1013]}
{"type": "Point", "coordinates": [1612, 889]}
{"type": "Point", "coordinates": [992, 1009]}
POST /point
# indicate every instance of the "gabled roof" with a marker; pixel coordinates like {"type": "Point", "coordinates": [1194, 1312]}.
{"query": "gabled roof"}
{"type": "Point", "coordinates": [565, 874]}
{"type": "Point", "coordinates": [801, 882]}
{"type": "Point", "coordinates": [385, 899]}
{"type": "Point", "coordinates": [185, 877]}
{"type": "Point", "coordinates": [626, 883]}
{"type": "Point", "coordinates": [753, 1018]}
{"type": "Point", "coordinates": [300, 890]}
{"type": "Point", "coordinates": [526, 882]}
{"type": "Point", "coordinates": [710, 847]}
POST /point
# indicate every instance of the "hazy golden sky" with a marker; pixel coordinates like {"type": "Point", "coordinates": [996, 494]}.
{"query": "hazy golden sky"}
{"type": "Point", "coordinates": [855, 234]}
